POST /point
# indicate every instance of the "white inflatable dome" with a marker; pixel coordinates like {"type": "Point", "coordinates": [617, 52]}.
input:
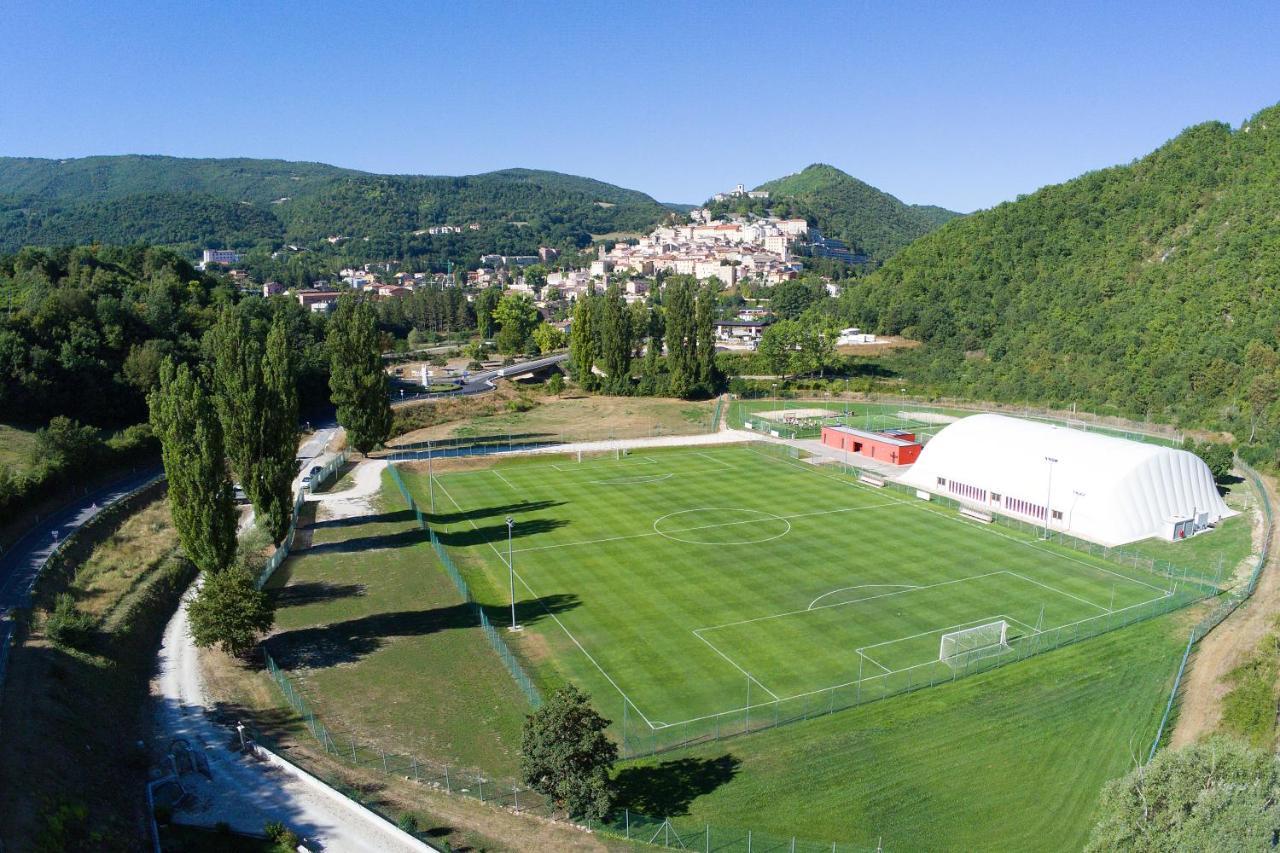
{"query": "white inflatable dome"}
{"type": "Point", "coordinates": [1107, 490]}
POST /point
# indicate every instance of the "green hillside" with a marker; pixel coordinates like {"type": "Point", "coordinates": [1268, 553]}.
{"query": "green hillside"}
{"type": "Point", "coordinates": [869, 220]}
{"type": "Point", "coordinates": [1145, 288]}
{"type": "Point", "coordinates": [242, 203]}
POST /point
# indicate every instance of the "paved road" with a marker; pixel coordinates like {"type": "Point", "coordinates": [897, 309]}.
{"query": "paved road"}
{"type": "Point", "coordinates": [21, 563]}
{"type": "Point", "coordinates": [483, 381]}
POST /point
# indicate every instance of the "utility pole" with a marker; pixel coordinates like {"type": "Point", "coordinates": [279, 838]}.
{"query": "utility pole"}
{"type": "Point", "coordinates": [511, 523]}
{"type": "Point", "coordinates": [1048, 496]}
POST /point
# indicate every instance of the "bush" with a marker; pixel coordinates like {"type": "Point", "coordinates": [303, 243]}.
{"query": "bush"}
{"type": "Point", "coordinates": [67, 626]}
{"type": "Point", "coordinates": [408, 823]}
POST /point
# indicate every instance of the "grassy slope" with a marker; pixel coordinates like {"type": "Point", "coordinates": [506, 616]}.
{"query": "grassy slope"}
{"type": "Point", "coordinates": [15, 447]}
{"type": "Point", "coordinates": [1009, 760]}
{"type": "Point", "coordinates": [70, 717]}
{"type": "Point", "coordinates": [384, 644]}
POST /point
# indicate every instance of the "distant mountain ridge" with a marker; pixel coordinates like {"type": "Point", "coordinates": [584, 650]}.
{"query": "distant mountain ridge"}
{"type": "Point", "coordinates": [241, 202]}
{"type": "Point", "coordinates": [868, 219]}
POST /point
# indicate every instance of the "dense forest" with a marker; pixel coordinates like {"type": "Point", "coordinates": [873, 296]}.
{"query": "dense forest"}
{"type": "Point", "coordinates": [1148, 289]}
{"type": "Point", "coordinates": [869, 220]}
{"type": "Point", "coordinates": [83, 331]}
{"type": "Point", "coordinates": [242, 203]}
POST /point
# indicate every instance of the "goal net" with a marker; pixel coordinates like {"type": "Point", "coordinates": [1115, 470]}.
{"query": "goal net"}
{"type": "Point", "coordinates": [990, 638]}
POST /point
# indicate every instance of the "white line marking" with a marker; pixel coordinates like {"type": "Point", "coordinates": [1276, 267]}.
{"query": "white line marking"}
{"type": "Point", "coordinates": [858, 587]}
{"type": "Point", "coordinates": [639, 479]}
{"type": "Point", "coordinates": [1059, 591]}
{"type": "Point", "coordinates": [567, 632]}
{"type": "Point", "coordinates": [719, 462]}
{"type": "Point", "coordinates": [503, 479]}
{"type": "Point", "coordinates": [734, 665]}
{"type": "Point", "coordinates": [699, 527]}
{"type": "Point", "coordinates": [866, 656]}
{"type": "Point", "coordinates": [845, 603]}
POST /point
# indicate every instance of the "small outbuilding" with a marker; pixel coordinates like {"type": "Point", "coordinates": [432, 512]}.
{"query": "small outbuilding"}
{"type": "Point", "coordinates": [895, 447]}
{"type": "Point", "coordinates": [1093, 486]}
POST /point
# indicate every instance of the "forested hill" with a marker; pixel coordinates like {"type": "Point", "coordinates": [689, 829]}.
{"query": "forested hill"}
{"type": "Point", "coordinates": [1150, 288]}
{"type": "Point", "coordinates": [868, 219]}
{"type": "Point", "coordinates": [243, 203]}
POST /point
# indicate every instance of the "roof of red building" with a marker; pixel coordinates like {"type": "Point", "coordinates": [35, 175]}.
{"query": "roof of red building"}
{"type": "Point", "coordinates": [873, 436]}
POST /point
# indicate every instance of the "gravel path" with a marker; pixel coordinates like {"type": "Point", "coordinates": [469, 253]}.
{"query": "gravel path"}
{"type": "Point", "coordinates": [248, 792]}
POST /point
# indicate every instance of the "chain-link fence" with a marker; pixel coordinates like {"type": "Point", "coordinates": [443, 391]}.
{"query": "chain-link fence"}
{"type": "Point", "coordinates": [522, 679]}
{"type": "Point", "coordinates": [1225, 607]}
{"type": "Point", "coordinates": [672, 832]}
{"type": "Point", "coordinates": [282, 552]}
{"type": "Point", "coordinates": [883, 409]}
{"type": "Point", "coordinates": [492, 443]}
{"type": "Point", "coordinates": [1214, 576]}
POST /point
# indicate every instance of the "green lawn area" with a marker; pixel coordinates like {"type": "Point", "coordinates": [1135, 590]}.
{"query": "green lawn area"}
{"type": "Point", "coordinates": [718, 589]}
{"type": "Point", "coordinates": [386, 649]}
{"type": "Point", "coordinates": [16, 445]}
{"type": "Point", "coordinates": [1011, 759]}
{"type": "Point", "coordinates": [1227, 544]}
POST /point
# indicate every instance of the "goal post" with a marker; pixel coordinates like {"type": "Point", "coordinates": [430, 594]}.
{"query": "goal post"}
{"type": "Point", "coordinates": [988, 638]}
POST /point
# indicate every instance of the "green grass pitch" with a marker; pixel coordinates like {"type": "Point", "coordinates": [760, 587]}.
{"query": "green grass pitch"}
{"type": "Point", "coordinates": [696, 582]}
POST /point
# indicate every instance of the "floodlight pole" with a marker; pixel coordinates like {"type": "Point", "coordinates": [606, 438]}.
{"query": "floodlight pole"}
{"type": "Point", "coordinates": [1048, 498]}
{"type": "Point", "coordinates": [511, 568]}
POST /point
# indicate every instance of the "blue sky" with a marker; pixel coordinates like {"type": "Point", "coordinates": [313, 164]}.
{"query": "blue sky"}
{"type": "Point", "coordinates": [963, 105]}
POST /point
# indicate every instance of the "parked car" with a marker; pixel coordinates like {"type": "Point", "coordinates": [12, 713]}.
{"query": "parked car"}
{"type": "Point", "coordinates": [316, 469]}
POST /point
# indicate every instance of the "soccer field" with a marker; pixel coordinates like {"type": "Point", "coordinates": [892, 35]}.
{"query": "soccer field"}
{"type": "Point", "coordinates": [684, 587]}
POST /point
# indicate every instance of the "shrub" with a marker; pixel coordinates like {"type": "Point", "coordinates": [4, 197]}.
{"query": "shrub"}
{"type": "Point", "coordinates": [67, 626]}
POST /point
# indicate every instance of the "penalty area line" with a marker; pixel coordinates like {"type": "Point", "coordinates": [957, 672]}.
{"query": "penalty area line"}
{"type": "Point", "coordinates": [734, 664]}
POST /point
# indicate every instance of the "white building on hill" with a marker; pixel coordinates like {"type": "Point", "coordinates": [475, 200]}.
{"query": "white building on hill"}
{"type": "Point", "coordinates": [1096, 487]}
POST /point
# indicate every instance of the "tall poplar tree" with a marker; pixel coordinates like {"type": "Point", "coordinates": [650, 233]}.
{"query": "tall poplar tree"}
{"type": "Point", "coordinates": [615, 337]}
{"type": "Point", "coordinates": [682, 355]}
{"type": "Point", "coordinates": [236, 356]}
{"type": "Point", "coordinates": [582, 340]}
{"type": "Point", "coordinates": [357, 383]}
{"type": "Point", "coordinates": [279, 430]}
{"type": "Point", "coordinates": [704, 322]}
{"type": "Point", "coordinates": [200, 499]}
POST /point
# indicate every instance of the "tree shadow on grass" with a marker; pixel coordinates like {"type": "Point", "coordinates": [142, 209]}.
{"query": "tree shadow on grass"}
{"type": "Point", "coordinates": [494, 533]}
{"type": "Point", "coordinates": [314, 592]}
{"type": "Point", "coordinates": [523, 507]}
{"type": "Point", "coordinates": [402, 539]}
{"type": "Point", "coordinates": [669, 788]}
{"type": "Point", "coordinates": [356, 521]}
{"type": "Point", "coordinates": [353, 639]}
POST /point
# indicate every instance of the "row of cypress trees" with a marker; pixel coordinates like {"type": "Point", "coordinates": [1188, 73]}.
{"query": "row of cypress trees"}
{"type": "Point", "coordinates": [236, 413]}
{"type": "Point", "coordinates": [604, 336]}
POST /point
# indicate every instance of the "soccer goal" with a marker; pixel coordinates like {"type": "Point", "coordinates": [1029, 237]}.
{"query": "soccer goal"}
{"type": "Point", "coordinates": [990, 638]}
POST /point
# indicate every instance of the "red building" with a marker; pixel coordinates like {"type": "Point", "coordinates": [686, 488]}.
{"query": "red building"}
{"type": "Point", "coordinates": [895, 447]}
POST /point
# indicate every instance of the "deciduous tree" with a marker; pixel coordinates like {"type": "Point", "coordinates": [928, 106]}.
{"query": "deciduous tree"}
{"type": "Point", "coordinates": [230, 612]}
{"type": "Point", "coordinates": [183, 418]}
{"type": "Point", "coordinates": [357, 381]}
{"type": "Point", "coordinates": [277, 465]}
{"type": "Point", "coordinates": [567, 756]}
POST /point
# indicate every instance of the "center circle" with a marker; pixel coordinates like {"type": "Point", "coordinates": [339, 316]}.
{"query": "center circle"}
{"type": "Point", "coordinates": [721, 526]}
